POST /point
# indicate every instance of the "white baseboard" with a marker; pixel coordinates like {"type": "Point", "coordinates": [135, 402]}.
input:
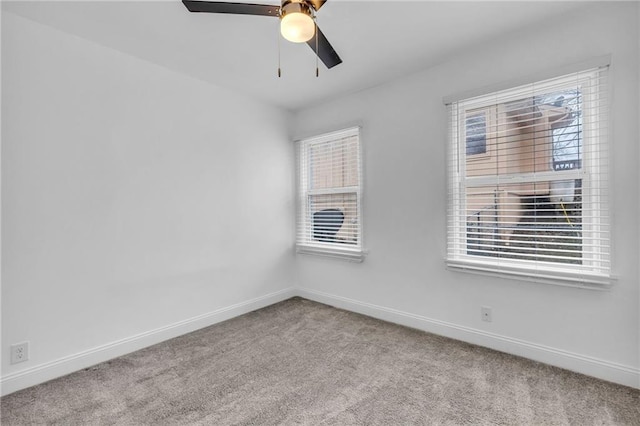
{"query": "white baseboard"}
{"type": "Point", "coordinates": [621, 374]}
{"type": "Point", "coordinates": [60, 367]}
{"type": "Point", "coordinates": [605, 370]}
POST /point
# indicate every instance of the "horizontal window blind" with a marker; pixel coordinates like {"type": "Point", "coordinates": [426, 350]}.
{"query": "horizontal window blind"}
{"type": "Point", "coordinates": [528, 176]}
{"type": "Point", "coordinates": [329, 191]}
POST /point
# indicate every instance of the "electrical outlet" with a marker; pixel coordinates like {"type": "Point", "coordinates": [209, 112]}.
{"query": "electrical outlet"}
{"type": "Point", "coordinates": [486, 314]}
{"type": "Point", "coordinates": [19, 352]}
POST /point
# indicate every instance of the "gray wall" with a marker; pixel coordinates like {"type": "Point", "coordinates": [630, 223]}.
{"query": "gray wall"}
{"type": "Point", "coordinates": [136, 202]}
{"type": "Point", "coordinates": [404, 278]}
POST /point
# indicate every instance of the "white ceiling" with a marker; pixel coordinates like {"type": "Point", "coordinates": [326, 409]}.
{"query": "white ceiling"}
{"type": "Point", "coordinates": [377, 40]}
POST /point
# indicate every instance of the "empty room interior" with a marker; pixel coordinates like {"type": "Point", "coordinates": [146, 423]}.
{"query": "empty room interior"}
{"type": "Point", "coordinates": [310, 212]}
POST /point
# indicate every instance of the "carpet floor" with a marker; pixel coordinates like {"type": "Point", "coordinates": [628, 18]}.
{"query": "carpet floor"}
{"type": "Point", "coordinates": [301, 362]}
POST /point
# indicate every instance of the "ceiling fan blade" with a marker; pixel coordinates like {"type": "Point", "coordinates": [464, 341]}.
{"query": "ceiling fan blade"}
{"type": "Point", "coordinates": [325, 51]}
{"type": "Point", "coordinates": [317, 4]}
{"type": "Point", "coordinates": [235, 8]}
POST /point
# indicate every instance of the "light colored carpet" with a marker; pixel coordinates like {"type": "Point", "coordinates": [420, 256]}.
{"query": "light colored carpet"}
{"type": "Point", "coordinates": [300, 362]}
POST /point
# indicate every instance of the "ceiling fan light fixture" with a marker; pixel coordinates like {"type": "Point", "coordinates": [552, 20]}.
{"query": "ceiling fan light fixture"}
{"type": "Point", "coordinates": [296, 22]}
{"type": "Point", "coordinates": [299, 27]}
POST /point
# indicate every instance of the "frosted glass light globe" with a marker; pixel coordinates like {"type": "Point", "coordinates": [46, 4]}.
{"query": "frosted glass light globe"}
{"type": "Point", "coordinates": [297, 27]}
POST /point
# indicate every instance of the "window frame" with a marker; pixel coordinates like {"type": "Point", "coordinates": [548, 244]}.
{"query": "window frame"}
{"type": "Point", "coordinates": [305, 243]}
{"type": "Point", "coordinates": [532, 270]}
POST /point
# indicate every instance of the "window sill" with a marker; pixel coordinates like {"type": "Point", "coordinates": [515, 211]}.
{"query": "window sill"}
{"type": "Point", "coordinates": [544, 276]}
{"type": "Point", "coordinates": [355, 255]}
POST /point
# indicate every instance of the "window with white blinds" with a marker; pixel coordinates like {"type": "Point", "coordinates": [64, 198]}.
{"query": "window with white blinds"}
{"type": "Point", "coordinates": [329, 217]}
{"type": "Point", "coordinates": [528, 176]}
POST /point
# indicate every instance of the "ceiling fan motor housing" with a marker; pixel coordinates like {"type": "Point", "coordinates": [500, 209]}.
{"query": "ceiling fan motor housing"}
{"type": "Point", "coordinates": [296, 6]}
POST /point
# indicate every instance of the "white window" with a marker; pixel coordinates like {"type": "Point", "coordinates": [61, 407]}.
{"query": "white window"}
{"type": "Point", "coordinates": [528, 174]}
{"type": "Point", "coordinates": [329, 218]}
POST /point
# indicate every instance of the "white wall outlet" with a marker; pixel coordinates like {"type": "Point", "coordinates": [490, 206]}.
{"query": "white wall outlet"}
{"type": "Point", "coordinates": [486, 314]}
{"type": "Point", "coordinates": [19, 352]}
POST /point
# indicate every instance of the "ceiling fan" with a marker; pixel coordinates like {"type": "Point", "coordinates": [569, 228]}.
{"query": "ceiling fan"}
{"type": "Point", "coordinates": [297, 21]}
